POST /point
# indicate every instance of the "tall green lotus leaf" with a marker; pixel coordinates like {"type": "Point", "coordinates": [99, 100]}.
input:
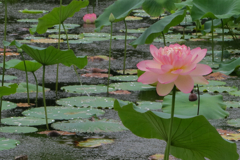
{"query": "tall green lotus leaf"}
{"type": "Point", "coordinates": [188, 3]}
{"type": "Point", "coordinates": [7, 90]}
{"type": "Point", "coordinates": [120, 9]}
{"type": "Point", "coordinates": [192, 137]}
{"type": "Point", "coordinates": [51, 55]}
{"type": "Point", "coordinates": [220, 9]}
{"type": "Point", "coordinates": [157, 7]}
{"type": "Point", "coordinates": [228, 68]}
{"type": "Point", "coordinates": [52, 18]}
{"type": "Point", "coordinates": [11, 63]}
{"type": "Point", "coordinates": [157, 28]}
{"type": "Point", "coordinates": [32, 66]}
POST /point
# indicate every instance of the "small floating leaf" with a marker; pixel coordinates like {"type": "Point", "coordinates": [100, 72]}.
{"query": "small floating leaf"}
{"type": "Point", "coordinates": [8, 105]}
{"type": "Point", "coordinates": [103, 125]}
{"type": "Point", "coordinates": [25, 121]}
{"type": "Point", "coordinates": [234, 122]}
{"type": "Point", "coordinates": [22, 88]}
{"type": "Point", "coordinates": [45, 40]}
{"type": "Point", "coordinates": [132, 86]}
{"type": "Point", "coordinates": [8, 77]}
{"type": "Point", "coordinates": [96, 35]}
{"type": "Point", "coordinates": [17, 129]}
{"type": "Point", "coordinates": [217, 89]}
{"type": "Point", "coordinates": [123, 37]}
{"type": "Point", "coordinates": [93, 142]}
{"type": "Point", "coordinates": [232, 104]}
{"type": "Point", "coordinates": [27, 20]}
{"type": "Point", "coordinates": [124, 78]}
{"type": "Point", "coordinates": [6, 144]}
{"type": "Point", "coordinates": [133, 18]}
{"type": "Point", "coordinates": [81, 89]}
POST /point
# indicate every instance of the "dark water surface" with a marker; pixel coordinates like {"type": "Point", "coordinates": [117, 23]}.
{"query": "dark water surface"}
{"type": "Point", "coordinates": [126, 145]}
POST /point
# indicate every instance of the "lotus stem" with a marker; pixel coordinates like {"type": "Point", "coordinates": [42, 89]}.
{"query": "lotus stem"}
{"type": "Point", "coordinates": [109, 62]}
{"type": "Point", "coordinates": [44, 100]}
{"type": "Point", "coordinates": [167, 151]}
{"type": "Point", "coordinates": [212, 44]}
{"type": "Point", "coordinates": [26, 78]}
{"type": "Point", "coordinates": [125, 49]}
{"type": "Point", "coordinates": [198, 100]}
{"type": "Point", "coordinates": [222, 39]}
{"type": "Point", "coordinates": [4, 56]}
{"type": "Point", "coordinates": [164, 41]}
{"type": "Point", "coordinates": [59, 33]}
{"type": "Point", "coordinates": [36, 89]}
{"type": "Point", "coordinates": [75, 69]}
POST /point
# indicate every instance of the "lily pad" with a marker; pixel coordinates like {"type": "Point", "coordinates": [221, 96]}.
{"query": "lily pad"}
{"type": "Point", "coordinates": [55, 30]}
{"type": "Point", "coordinates": [139, 30]}
{"type": "Point", "coordinates": [124, 78]}
{"type": "Point", "coordinates": [63, 36]}
{"type": "Point", "coordinates": [96, 35]}
{"type": "Point", "coordinates": [32, 11]}
{"type": "Point", "coordinates": [133, 18]}
{"type": "Point", "coordinates": [87, 101]}
{"type": "Point", "coordinates": [17, 129]}
{"type": "Point", "coordinates": [28, 20]}
{"type": "Point", "coordinates": [217, 89]}
{"type": "Point", "coordinates": [132, 86]}
{"type": "Point", "coordinates": [63, 113]}
{"type": "Point", "coordinates": [215, 83]}
{"type": "Point", "coordinates": [94, 142]}
{"type": "Point", "coordinates": [67, 26]}
{"type": "Point", "coordinates": [128, 71]}
{"type": "Point", "coordinates": [6, 144]}
{"type": "Point", "coordinates": [81, 89]}
{"type": "Point", "coordinates": [103, 125]}
{"type": "Point", "coordinates": [149, 105]}
{"type": "Point", "coordinates": [234, 122]}
{"type": "Point", "coordinates": [45, 40]}
{"type": "Point", "coordinates": [123, 37]}
{"type": "Point", "coordinates": [79, 41]}
{"type": "Point", "coordinates": [160, 157]}
{"type": "Point", "coordinates": [8, 77]}
{"type": "Point", "coordinates": [141, 14]}
{"type": "Point", "coordinates": [232, 104]}
{"type": "Point", "coordinates": [25, 121]}
{"type": "Point", "coordinates": [8, 105]}
{"type": "Point", "coordinates": [211, 107]}
{"type": "Point", "coordinates": [232, 136]}
{"type": "Point", "coordinates": [22, 88]}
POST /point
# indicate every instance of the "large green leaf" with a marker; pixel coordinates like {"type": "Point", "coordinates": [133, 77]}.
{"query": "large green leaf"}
{"type": "Point", "coordinates": [120, 9]}
{"type": "Point", "coordinates": [31, 66]}
{"type": "Point", "coordinates": [228, 68]}
{"type": "Point", "coordinates": [220, 9]}
{"type": "Point", "coordinates": [157, 7]}
{"type": "Point", "coordinates": [6, 144]}
{"type": "Point", "coordinates": [85, 125]}
{"type": "Point", "coordinates": [192, 137]}
{"type": "Point", "coordinates": [212, 107]}
{"type": "Point", "coordinates": [53, 18]}
{"type": "Point", "coordinates": [9, 89]}
{"type": "Point", "coordinates": [157, 28]}
{"type": "Point", "coordinates": [51, 55]}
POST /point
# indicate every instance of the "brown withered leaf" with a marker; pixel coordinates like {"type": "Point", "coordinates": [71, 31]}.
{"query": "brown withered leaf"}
{"type": "Point", "coordinates": [160, 157]}
{"type": "Point", "coordinates": [120, 92]}
{"type": "Point", "coordinates": [7, 50]}
{"type": "Point", "coordinates": [98, 58]}
{"type": "Point", "coordinates": [63, 133]}
{"type": "Point", "coordinates": [10, 54]}
{"type": "Point", "coordinates": [96, 75]}
{"type": "Point", "coordinates": [217, 76]}
{"type": "Point", "coordinates": [224, 132]}
{"type": "Point", "coordinates": [96, 70]}
{"type": "Point", "coordinates": [25, 105]}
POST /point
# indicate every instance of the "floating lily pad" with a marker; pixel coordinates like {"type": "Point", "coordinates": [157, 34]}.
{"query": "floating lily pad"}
{"type": "Point", "coordinates": [6, 144]}
{"type": "Point", "coordinates": [232, 104]}
{"type": "Point", "coordinates": [99, 57]}
{"type": "Point", "coordinates": [94, 142]}
{"type": "Point", "coordinates": [149, 105]}
{"type": "Point", "coordinates": [234, 122]}
{"type": "Point", "coordinates": [79, 41]}
{"type": "Point", "coordinates": [17, 129]}
{"type": "Point", "coordinates": [67, 26]}
{"type": "Point", "coordinates": [217, 76]}
{"type": "Point", "coordinates": [22, 88]}
{"type": "Point", "coordinates": [81, 89]}
{"type": "Point", "coordinates": [232, 136]}
{"type": "Point", "coordinates": [215, 83]}
{"type": "Point", "coordinates": [124, 78]}
{"type": "Point", "coordinates": [8, 105]}
{"type": "Point", "coordinates": [139, 30]}
{"type": "Point", "coordinates": [23, 41]}
{"type": "Point", "coordinates": [169, 40]}
{"type": "Point", "coordinates": [10, 54]}
{"type": "Point", "coordinates": [132, 86]}
{"type": "Point", "coordinates": [25, 105]}
{"type": "Point", "coordinates": [123, 37]}
{"type": "Point", "coordinates": [160, 157]}
{"type": "Point", "coordinates": [103, 125]}
{"type": "Point", "coordinates": [60, 113]}
{"type": "Point", "coordinates": [27, 20]}
{"type": "Point", "coordinates": [139, 11]}
{"type": "Point", "coordinates": [96, 34]}
{"type": "Point", "coordinates": [33, 37]}
{"type": "Point", "coordinates": [133, 18]}
{"type": "Point", "coordinates": [211, 107]}
{"type": "Point", "coordinates": [45, 40]}
{"type": "Point", "coordinates": [217, 89]}
{"type": "Point", "coordinates": [141, 14]}
{"type": "Point", "coordinates": [25, 121]}
{"type": "Point", "coordinates": [8, 77]}
{"type": "Point", "coordinates": [96, 75]}
{"type": "Point", "coordinates": [32, 11]}
{"type": "Point", "coordinates": [128, 71]}
{"type": "Point", "coordinates": [235, 93]}
{"type": "Point", "coordinates": [54, 30]}
{"type": "Point", "coordinates": [87, 101]}
{"type": "Point", "coordinates": [118, 92]}
{"type": "Point", "coordinates": [63, 36]}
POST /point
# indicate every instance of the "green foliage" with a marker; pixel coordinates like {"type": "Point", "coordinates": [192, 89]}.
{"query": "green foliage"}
{"type": "Point", "coordinates": [228, 68]}
{"type": "Point", "coordinates": [132, 86]}
{"type": "Point", "coordinates": [16, 129]}
{"type": "Point", "coordinates": [211, 107]}
{"type": "Point", "coordinates": [6, 144]}
{"type": "Point", "coordinates": [87, 89]}
{"type": "Point", "coordinates": [53, 17]}
{"type": "Point", "coordinates": [120, 9]}
{"type": "Point", "coordinates": [8, 89]}
{"type": "Point", "coordinates": [192, 137]}
{"type": "Point", "coordinates": [157, 28]}
{"type": "Point", "coordinates": [31, 66]}
{"type": "Point", "coordinates": [8, 105]}
{"type": "Point", "coordinates": [25, 121]}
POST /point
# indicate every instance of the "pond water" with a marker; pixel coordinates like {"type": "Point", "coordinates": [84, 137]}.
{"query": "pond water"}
{"type": "Point", "coordinates": [126, 145]}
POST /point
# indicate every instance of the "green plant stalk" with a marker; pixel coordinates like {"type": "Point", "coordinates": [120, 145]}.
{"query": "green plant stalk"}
{"type": "Point", "coordinates": [36, 89]}
{"type": "Point", "coordinates": [26, 78]}
{"type": "Point", "coordinates": [44, 100]}
{"type": "Point", "coordinates": [164, 41]}
{"type": "Point", "coordinates": [4, 56]}
{"type": "Point", "coordinates": [109, 62]}
{"type": "Point", "coordinates": [230, 30]}
{"type": "Point", "coordinates": [75, 69]}
{"type": "Point", "coordinates": [212, 44]}
{"type": "Point", "coordinates": [198, 100]}
{"type": "Point", "coordinates": [167, 151]}
{"type": "Point", "coordinates": [222, 39]}
{"type": "Point", "coordinates": [59, 32]}
{"type": "Point", "coordinates": [125, 49]}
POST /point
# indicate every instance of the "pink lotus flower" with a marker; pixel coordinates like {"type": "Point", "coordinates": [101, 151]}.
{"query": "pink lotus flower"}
{"type": "Point", "coordinates": [175, 64]}
{"type": "Point", "coordinates": [89, 18]}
